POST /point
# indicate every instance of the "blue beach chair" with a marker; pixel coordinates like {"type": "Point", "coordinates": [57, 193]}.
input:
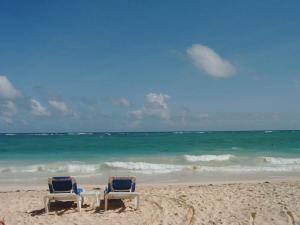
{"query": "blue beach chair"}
{"type": "Point", "coordinates": [121, 188]}
{"type": "Point", "coordinates": [63, 189]}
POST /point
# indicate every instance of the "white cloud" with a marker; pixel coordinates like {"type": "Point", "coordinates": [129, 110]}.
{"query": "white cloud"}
{"type": "Point", "coordinates": [157, 100]}
{"type": "Point", "coordinates": [11, 107]}
{"type": "Point", "coordinates": [121, 102]}
{"type": "Point", "coordinates": [155, 105]}
{"type": "Point", "coordinates": [8, 110]}
{"type": "Point", "coordinates": [62, 107]}
{"type": "Point", "coordinates": [211, 62]}
{"type": "Point", "coordinates": [59, 106]}
{"type": "Point", "coordinates": [7, 90]}
{"type": "Point", "coordinates": [6, 119]}
{"type": "Point", "coordinates": [37, 108]}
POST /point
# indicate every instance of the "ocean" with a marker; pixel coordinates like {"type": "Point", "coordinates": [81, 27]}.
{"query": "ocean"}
{"type": "Point", "coordinates": [151, 156]}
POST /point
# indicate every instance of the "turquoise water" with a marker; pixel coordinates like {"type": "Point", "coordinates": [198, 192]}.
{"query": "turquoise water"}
{"type": "Point", "coordinates": [151, 155]}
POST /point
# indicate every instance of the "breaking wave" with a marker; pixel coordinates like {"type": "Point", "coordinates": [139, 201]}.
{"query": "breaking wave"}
{"type": "Point", "coordinates": [146, 168]}
{"type": "Point", "coordinates": [247, 169]}
{"type": "Point", "coordinates": [52, 168]}
{"type": "Point", "coordinates": [270, 164]}
{"type": "Point", "coordinates": [281, 161]}
{"type": "Point", "coordinates": [207, 158]}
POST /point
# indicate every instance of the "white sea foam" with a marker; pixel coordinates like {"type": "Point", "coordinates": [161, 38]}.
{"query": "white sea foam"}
{"type": "Point", "coordinates": [247, 169]}
{"type": "Point", "coordinates": [72, 168]}
{"type": "Point", "coordinates": [207, 158]}
{"type": "Point", "coordinates": [80, 133]}
{"type": "Point", "coordinates": [52, 168]}
{"type": "Point", "coordinates": [178, 132]}
{"type": "Point", "coordinates": [10, 134]}
{"type": "Point", "coordinates": [24, 169]}
{"type": "Point", "coordinates": [79, 168]}
{"type": "Point", "coordinates": [40, 134]}
{"type": "Point", "coordinates": [84, 133]}
{"type": "Point", "coordinates": [146, 168]}
{"type": "Point", "coordinates": [281, 161]}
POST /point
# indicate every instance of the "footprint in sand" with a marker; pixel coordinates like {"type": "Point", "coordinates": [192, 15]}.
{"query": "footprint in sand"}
{"type": "Point", "coordinates": [291, 218]}
{"type": "Point", "coordinates": [252, 218]}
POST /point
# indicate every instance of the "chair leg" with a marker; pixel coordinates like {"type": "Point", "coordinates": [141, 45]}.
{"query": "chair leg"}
{"type": "Point", "coordinates": [79, 204]}
{"type": "Point", "coordinates": [137, 202]}
{"type": "Point", "coordinates": [97, 200]}
{"type": "Point", "coordinates": [46, 202]}
{"type": "Point", "coordinates": [106, 203]}
{"type": "Point", "coordinates": [82, 200]}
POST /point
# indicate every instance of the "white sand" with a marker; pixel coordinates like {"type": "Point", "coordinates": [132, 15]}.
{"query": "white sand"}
{"type": "Point", "coordinates": [238, 203]}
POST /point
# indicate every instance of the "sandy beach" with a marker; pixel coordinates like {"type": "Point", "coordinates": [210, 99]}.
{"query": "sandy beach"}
{"type": "Point", "coordinates": [263, 202]}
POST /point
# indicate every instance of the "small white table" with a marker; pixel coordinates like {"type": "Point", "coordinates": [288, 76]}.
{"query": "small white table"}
{"type": "Point", "coordinates": [95, 194]}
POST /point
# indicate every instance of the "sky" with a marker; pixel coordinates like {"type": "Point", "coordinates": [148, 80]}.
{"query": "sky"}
{"type": "Point", "coordinates": [149, 65]}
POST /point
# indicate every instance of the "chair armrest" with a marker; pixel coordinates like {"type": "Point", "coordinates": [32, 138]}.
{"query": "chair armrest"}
{"type": "Point", "coordinates": [106, 191]}
{"type": "Point", "coordinates": [80, 190]}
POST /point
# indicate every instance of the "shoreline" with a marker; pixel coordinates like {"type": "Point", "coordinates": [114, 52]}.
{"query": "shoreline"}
{"type": "Point", "coordinates": [34, 187]}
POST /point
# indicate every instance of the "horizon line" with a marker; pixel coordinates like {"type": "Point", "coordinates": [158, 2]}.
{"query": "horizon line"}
{"type": "Point", "coordinates": [170, 131]}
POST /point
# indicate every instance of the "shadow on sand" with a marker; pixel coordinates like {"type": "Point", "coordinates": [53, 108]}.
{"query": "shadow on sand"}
{"type": "Point", "coordinates": [113, 204]}
{"type": "Point", "coordinates": [63, 207]}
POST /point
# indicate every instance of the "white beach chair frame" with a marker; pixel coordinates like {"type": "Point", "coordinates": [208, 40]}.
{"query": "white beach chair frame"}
{"type": "Point", "coordinates": [62, 196]}
{"type": "Point", "coordinates": [114, 194]}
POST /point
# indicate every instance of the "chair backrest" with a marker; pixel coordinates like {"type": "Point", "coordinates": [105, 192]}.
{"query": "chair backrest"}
{"type": "Point", "coordinates": [62, 185]}
{"type": "Point", "coordinates": [121, 184]}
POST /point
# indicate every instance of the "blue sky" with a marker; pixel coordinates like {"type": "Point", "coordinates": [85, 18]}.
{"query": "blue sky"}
{"type": "Point", "coordinates": [149, 65]}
